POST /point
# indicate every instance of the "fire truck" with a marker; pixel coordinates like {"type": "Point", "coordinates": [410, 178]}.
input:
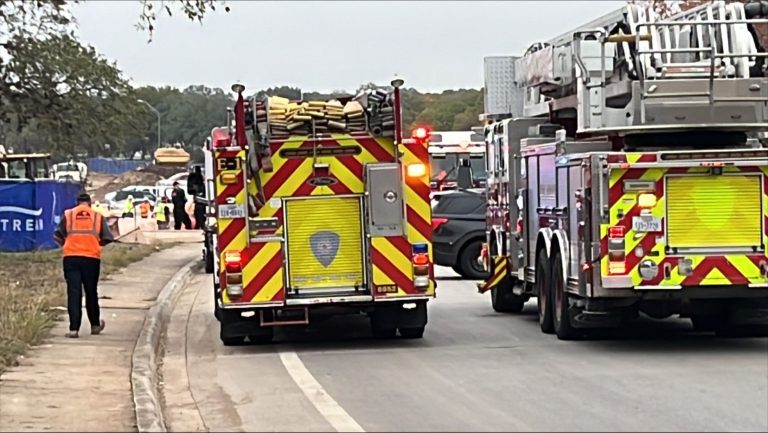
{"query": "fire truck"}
{"type": "Point", "coordinates": [322, 208]}
{"type": "Point", "coordinates": [448, 150]}
{"type": "Point", "coordinates": [633, 181]}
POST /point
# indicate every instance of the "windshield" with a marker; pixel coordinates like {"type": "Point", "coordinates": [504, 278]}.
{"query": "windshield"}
{"type": "Point", "coordinates": [67, 167]}
{"type": "Point", "coordinates": [450, 165]}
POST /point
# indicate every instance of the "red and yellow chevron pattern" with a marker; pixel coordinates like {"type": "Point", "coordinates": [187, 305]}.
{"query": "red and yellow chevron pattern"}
{"type": "Point", "coordinates": [707, 268]}
{"type": "Point", "coordinates": [293, 167]}
{"type": "Point", "coordinates": [498, 272]}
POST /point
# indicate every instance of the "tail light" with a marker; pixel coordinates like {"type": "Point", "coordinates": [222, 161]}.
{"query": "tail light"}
{"type": "Point", "coordinates": [520, 225]}
{"type": "Point", "coordinates": [616, 251]}
{"type": "Point", "coordinates": [437, 222]}
{"type": "Point", "coordinates": [420, 262]}
{"type": "Point", "coordinates": [233, 265]}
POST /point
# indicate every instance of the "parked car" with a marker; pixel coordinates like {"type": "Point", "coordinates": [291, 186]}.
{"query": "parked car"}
{"type": "Point", "coordinates": [458, 224]}
{"type": "Point", "coordinates": [143, 188]}
{"type": "Point", "coordinates": [118, 201]}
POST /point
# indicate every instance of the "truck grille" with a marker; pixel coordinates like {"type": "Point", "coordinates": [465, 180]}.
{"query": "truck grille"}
{"type": "Point", "coordinates": [324, 242]}
{"type": "Point", "coordinates": [714, 211]}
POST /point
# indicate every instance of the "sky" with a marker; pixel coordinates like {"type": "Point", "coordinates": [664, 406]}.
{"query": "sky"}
{"type": "Point", "coordinates": [325, 46]}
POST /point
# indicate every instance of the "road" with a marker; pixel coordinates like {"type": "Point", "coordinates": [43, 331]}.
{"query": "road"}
{"type": "Point", "coordinates": [475, 370]}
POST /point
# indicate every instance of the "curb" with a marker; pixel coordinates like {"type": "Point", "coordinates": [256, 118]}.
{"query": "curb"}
{"type": "Point", "coordinates": [149, 414]}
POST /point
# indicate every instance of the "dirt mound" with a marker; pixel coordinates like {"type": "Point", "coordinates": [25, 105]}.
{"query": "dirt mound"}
{"type": "Point", "coordinates": [136, 177]}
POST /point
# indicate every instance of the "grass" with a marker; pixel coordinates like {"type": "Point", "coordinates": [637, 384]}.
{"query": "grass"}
{"type": "Point", "coordinates": [32, 292]}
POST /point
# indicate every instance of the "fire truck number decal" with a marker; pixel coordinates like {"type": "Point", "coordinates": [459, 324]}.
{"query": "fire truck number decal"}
{"type": "Point", "coordinates": [642, 224]}
{"type": "Point", "coordinates": [231, 211]}
{"type": "Point", "coordinates": [325, 246]}
{"type": "Point", "coordinates": [388, 288]}
{"type": "Point", "coordinates": [228, 164]}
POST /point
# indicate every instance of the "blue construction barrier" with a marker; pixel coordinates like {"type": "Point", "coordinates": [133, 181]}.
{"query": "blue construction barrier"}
{"type": "Point", "coordinates": [113, 166]}
{"type": "Point", "coordinates": [30, 211]}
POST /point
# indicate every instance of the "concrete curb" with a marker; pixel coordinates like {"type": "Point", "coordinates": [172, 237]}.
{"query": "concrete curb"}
{"type": "Point", "coordinates": [149, 413]}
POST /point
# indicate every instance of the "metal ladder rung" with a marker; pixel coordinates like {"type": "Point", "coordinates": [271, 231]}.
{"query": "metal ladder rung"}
{"type": "Point", "coordinates": [675, 51]}
{"type": "Point", "coordinates": [744, 99]}
{"type": "Point", "coordinates": [676, 95]}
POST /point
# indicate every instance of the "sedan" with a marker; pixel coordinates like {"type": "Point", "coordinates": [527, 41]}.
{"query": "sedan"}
{"type": "Point", "coordinates": [458, 225]}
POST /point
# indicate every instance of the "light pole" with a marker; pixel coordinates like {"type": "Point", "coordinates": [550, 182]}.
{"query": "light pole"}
{"type": "Point", "coordinates": [158, 118]}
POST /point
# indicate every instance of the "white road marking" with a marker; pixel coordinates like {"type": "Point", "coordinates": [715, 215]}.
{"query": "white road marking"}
{"type": "Point", "coordinates": [336, 416]}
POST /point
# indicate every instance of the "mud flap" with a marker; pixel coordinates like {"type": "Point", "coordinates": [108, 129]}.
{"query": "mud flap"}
{"type": "Point", "coordinates": [498, 273]}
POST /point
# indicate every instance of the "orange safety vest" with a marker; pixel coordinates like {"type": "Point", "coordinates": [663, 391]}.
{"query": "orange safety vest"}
{"type": "Point", "coordinates": [145, 208]}
{"type": "Point", "coordinates": [83, 232]}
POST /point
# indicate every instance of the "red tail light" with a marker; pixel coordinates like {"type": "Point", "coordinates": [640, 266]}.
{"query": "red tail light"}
{"type": "Point", "coordinates": [616, 251]}
{"type": "Point", "coordinates": [616, 232]}
{"type": "Point", "coordinates": [233, 262]}
{"type": "Point", "coordinates": [437, 222]}
{"type": "Point", "coordinates": [420, 259]}
{"type": "Point", "coordinates": [520, 225]}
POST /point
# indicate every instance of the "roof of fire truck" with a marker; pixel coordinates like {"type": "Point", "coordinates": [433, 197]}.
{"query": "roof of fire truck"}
{"type": "Point", "coordinates": [456, 142]}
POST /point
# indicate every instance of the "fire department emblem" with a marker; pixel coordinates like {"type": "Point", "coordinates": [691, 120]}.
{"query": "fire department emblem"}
{"type": "Point", "coordinates": [325, 246]}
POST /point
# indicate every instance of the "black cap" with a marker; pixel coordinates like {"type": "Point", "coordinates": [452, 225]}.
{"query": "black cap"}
{"type": "Point", "coordinates": [83, 198]}
{"type": "Point", "coordinates": [176, 183]}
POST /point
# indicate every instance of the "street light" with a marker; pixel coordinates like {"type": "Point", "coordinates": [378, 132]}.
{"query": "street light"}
{"type": "Point", "coordinates": [158, 118]}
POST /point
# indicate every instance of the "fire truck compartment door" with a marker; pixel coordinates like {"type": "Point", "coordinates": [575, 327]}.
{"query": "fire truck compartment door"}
{"type": "Point", "coordinates": [324, 243]}
{"type": "Point", "coordinates": [384, 183]}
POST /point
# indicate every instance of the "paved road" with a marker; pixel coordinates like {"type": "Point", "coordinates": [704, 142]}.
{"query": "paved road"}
{"type": "Point", "coordinates": [474, 370]}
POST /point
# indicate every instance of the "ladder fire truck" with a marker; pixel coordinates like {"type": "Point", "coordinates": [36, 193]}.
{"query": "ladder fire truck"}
{"type": "Point", "coordinates": [317, 216]}
{"type": "Point", "coordinates": [632, 183]}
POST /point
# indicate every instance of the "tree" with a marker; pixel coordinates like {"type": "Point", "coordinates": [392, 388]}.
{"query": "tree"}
{"type": "Point", "coordinates": [56, 90]}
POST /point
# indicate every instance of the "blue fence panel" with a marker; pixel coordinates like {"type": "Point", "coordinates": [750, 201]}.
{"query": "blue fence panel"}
{"type": "Point", "coordinates": [53, 198]}
{"type": "Point", "coordinates": [113, 166]}
{"type": "Point", "coordinates": [30, 211]}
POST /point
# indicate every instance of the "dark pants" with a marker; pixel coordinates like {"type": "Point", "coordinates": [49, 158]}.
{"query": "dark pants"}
{"type": "Point", "coordinates": [199, 216]}
{"type": "Point", "coordinates": [180, 217]}
{"type": "Point", "coordinates": [82, 272]}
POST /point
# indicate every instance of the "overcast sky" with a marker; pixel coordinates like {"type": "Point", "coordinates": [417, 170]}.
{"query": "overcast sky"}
{"type": "Point", "coordinates": [323, 46]}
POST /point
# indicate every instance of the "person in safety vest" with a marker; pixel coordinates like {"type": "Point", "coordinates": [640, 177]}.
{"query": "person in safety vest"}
{"type": "Point", "coordinates": [99, 208]}
{"type": "Point", "coordinates": [128, 207]}
{"type": "Point", "coordinates": [162, 214]}
{"type": "Point", "coordinates": [81, 233]}
{"type": "Point", "coordinates": [145, 209]}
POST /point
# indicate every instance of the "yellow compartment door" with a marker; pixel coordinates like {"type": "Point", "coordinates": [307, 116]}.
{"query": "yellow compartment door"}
{"type": "Point", "coordinates": [324, 243]}
{"type": "Point", "coordinates": [706, 211]}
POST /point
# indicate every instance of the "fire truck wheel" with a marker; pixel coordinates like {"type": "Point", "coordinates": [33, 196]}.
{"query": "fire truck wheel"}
{"type": "Point", "coordinates": [544, 292]}
{"type": "Point", "coordinates": [504, 301]}
{"type": "Point", "coordinates": [468, 266]}
{"type": "Point", "coordinates": [383, 332]}
{"type": "Point", "coordinates": [562, 321]}
{"type": "Point", "coordinates": [412, 333]}
{"type": "Point", "coordinates": [233, 341]}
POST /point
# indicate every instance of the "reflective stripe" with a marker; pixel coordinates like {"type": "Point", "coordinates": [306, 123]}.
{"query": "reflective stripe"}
{"type": "Point", "coordinates": [94, 230]}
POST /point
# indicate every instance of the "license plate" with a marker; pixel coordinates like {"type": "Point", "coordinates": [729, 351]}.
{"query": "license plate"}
{"type": "Point", "coordinates": [643, 225]}
{"type": "Point", "coordinates": [231, 211]}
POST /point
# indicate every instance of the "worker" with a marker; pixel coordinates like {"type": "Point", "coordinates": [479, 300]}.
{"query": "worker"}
{"type": "Point", "coordinates": [81, 233]}
{"type": "Point", "coordinates": [128, 207]}
{"type": "Point", "coordinates": [145, 209]}
{"type": "Point", "coordinates": [162, 214]}
{"type": "Point", "coordinates": [179, 200]}
{"type": "Point", "coordinates": [99, 208]}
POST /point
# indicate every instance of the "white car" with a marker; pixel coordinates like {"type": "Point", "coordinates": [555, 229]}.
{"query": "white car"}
{"type": "Point", "coordinates": [117, 202]}
{"type": "Point", "coordinates": [151, 189]}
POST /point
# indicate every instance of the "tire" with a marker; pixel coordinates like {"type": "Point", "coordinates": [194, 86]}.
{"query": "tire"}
{"type": "Point", "coordinates": [233, 341]}
{"type": "Point", "coordinates": [383, 333]}
{"type": "Point", "coordinates": [264, 337]}
{"type": "Point", "coordinates": [468, 266]}
{"type": "Point", "coordinates": [707, 323]}
{"type": "Point", "coordinates": [412, 333]}
{"type": "Point", "coordinates": [543, 274]}
{"type": "Point", "coordinates": [208, 261]}
{"type": "Point", "coordinates": [562, 321]}
{"type": "Point", "coordinates": [504, 301]}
